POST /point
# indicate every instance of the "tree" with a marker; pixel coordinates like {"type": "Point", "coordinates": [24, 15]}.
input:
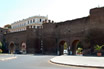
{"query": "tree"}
{"type": "Point", "coordinates": [65, 45]}
{"type": "Point", "coordinates": [0, 44]}
{"type": "Point", "coordinates": [8, 26]}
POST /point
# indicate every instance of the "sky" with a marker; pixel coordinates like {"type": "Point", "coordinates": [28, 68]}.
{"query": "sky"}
{"type": "Point", "coordinates": [57, 10]}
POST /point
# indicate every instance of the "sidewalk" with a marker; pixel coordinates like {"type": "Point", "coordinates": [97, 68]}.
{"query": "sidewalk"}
{"type": "Point", "coordinates": [84, 61]}
{"type": "Point", "coordinates": [4, 57]}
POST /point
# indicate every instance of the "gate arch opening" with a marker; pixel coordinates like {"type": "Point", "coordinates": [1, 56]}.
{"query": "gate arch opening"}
{"type": "Point", "coordinates": [63, 47]}
{"type": "Point", "coordinates": [75, 46]}
{"type": "Point", "coordinates": [23, 48]}
{"type": "Point", "coordinates": [11, 48]}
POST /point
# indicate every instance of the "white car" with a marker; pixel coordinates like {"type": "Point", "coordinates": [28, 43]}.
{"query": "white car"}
{"type": "Point", "coordinates": [65, 51]}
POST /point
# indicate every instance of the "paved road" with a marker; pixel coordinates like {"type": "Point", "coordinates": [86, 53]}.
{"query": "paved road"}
{"type": "Point", "coordinates": [34, 62]}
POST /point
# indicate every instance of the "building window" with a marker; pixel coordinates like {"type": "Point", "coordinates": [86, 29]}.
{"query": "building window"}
{"type": "Point", "coordinates": [34, 26]}
{"type": "Point", "coordinates": [25, 24]}
{"type": "Point", "coordinates": [30, 21]}
{"type": "Point", "coordinates": [40, 20]}
{"type": "Point", "coordinates": [33, 20]}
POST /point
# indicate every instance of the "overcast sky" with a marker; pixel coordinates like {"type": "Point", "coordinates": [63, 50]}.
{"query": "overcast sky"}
{"type": "Point", "coordinates": [57, 10]}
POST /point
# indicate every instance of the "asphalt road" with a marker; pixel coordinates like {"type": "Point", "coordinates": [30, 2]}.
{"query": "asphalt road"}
{"type": "Point", "coordinates": [34, 62]}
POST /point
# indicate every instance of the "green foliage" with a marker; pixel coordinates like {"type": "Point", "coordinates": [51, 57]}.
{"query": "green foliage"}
{"type": "Point", "coordinates": [1, 51]}
{"type": "Point", "coordinates": [98, 47]}
{"type": "Point", "coordinates": [65, 45]}
{"type": "Point", "coordinates": [79, 45]}
{"type": "Point", "coordinates": [0, 44]}
{"type": "Point", "coordinates": [1, 47]}
{"type": "Point", "coordinates": [7, 26]}
{"type": "Point", "coordinates": [79, 50]}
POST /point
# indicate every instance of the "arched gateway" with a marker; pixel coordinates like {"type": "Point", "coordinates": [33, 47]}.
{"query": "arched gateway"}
{"type": "Point", "coordinates": [23, 48]}
{"type": "Point", "coordinates": [11, 48]}
{"type": "Point", "coordinates": [75, 45]}
{"type": "Point", "coordinates": [63, 47]}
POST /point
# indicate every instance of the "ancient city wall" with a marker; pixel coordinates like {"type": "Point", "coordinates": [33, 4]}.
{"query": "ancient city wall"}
{"type": "Point", "coordinates": [48, 38]}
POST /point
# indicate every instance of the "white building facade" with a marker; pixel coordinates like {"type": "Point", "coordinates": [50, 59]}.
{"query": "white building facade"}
{"type": "Point", "coordinates": [35, 22]}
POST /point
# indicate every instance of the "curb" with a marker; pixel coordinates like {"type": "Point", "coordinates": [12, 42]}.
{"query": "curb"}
{"type": "Point", "coordinates": [4, 59]}
{"type": "Point", "coordinates": [75, 65]}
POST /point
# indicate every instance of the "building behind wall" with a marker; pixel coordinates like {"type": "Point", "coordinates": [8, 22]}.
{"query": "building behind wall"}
{"type": "Point", "coordinates": [34, 22]}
